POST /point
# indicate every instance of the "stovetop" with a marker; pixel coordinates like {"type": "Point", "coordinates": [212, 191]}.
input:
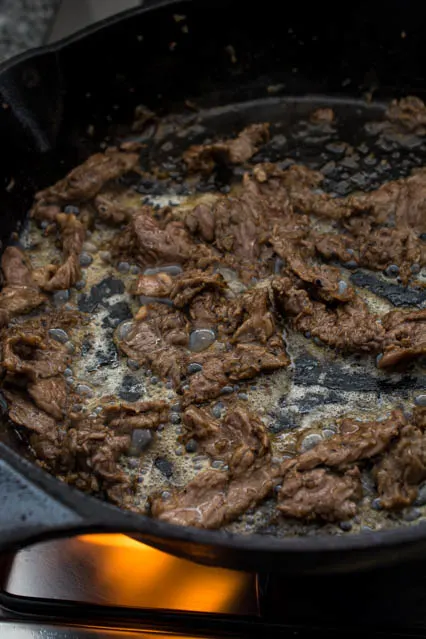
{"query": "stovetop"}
{"type": "Point", "coordinates": [115, 586]}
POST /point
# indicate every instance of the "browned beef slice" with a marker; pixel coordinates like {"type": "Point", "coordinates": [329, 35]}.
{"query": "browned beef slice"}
{"type": "Point", "coordinates": [349, 327]}
{"type": "Point", "coordinates": [201, 221]}
{"type": "Point", "coordinates": [212, 499]}
{"type": "Point", "coordinates": [16, 300]}
{"type": "Point", "coordinates": [158, 285]}
{"type": "Point", "coordinates": [25, 413]}
{"type": "Point", "coordinates": [320, 494]}
{"type": "Point", "coordinates": [248, 318]}
{"type": "Point", "coordinates": [16, 267]}
{"type": "Point", "coordinates": [73, 234]}
{"type": "Point", "coordinates": [324, 282]}
{"type": "Point", "coordinates": [111, 211]}
{"type": "Point", "coordinates": [356, 441]}
{"type": "Point", "coordinates": [95, 449]}
{"type": "Point", "coordinates": [243, 362]}
{"type": "Point", "coordinates": [332, 246]}
{"type": "Point", "coordinates": [402, 468]}
{"type": "Point", "coordinates": [21, 293]}
{"type": "Point", "coordinates": [248, 360]}
{"type": "Point", "coordinates": [87, 179]}
{"type": "Point", "coordinates": [239, 439]}
{"type": "Point", "coordinates": [405, 337]}
{"type": "Point", "coordinates": [125, 417]}
{"type": "Point", "coordinates": [192, 282]}
{"type": "Point", "coordinates": [409, 113]}
{"type": "Point", "coordinates": [159, 341]}
{"type": "Point", "coordinates": [204, 157]}
{"type": "Point", "coordinates": [50, 395]}
{"type": "Point", "coordinates": [151, 244]}
{"type": "Point", "coordinates": [32, 354]}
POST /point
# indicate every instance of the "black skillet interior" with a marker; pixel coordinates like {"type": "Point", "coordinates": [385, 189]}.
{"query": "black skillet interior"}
{"type": "Point", "coordinates": [230, 52]}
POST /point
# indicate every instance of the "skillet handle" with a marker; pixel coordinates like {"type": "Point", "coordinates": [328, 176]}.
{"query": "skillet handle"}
{"type": "Point", "coordinates": [35, 507]}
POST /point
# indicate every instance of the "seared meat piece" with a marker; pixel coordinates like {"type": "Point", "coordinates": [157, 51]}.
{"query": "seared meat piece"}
{"type": "Point", "coordinates": [203, 157]}
{"type": "Point", "coordinates": [402, 468]}
{"type": "Point", "coordinates": [355, 442]}
{"type": "Point", "coordinates": [323, 282]}
{"type": "Point", "coordinates": [157, 285]}
{"type": "Point", "coordinates": [34, 355]}
{"type": "Point", "coordinates": [87, 179]}
{"type": "Point", "coordinates": [320, 494]}
{"type": "Point", "coordinates": [408, 113]}
{"type": "Point", "coordinates": [244, 362]}
{"type": "Point", "coordinates": [239, 439]}
{"type": "Point", "coordinates": [50, 395]}
{"type": "Point", "coordinates": [111, 211]}
{"type": "Point", "coordinates": [213, 499]}
{"type": "Point", "coordinates": [348, 327]}
{"type": "Point", "coordinates": [73, 234]}
{"type": "Point", "coordinates": [21, 293]}
{"type": "Point", "coordinates": [124, 417]}
{"type": "Point", "coordinates": [150, 244]}
{"type": "Point", "coordinates": [405, 337]}
{"type": "Point", "coordinates": [193, 282]}
{"type": "Point", "coordinates": [25, 413]}
{"type": "Point", "coordinates": [159, 341]}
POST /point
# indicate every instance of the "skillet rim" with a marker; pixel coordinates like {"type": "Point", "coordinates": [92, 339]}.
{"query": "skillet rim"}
{"type": "Point", "coordinates": [144, 525]}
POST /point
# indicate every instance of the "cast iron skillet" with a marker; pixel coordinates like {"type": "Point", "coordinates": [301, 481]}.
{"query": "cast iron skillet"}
{"type": "Point", "coordinates": [49, 98]}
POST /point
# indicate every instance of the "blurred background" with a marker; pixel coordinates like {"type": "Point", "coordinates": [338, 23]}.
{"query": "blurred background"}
{"type": "Point", "coordinates": [25, 24]}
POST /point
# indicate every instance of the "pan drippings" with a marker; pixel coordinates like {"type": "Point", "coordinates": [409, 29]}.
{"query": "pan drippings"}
{"type": "Point", "coordinates": [232, 334]}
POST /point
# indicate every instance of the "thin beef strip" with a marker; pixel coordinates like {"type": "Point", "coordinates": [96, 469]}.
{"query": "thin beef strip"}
{"type": "Point", "coordinates": [320, 494]}
{"type": "Point", "coordinates": [87, 179]}
{"type": "Point", "coordinates": [125, 417]}
{"type": "Point", "coordinates": [408, 113]}
{"type": "Point", "coordinates": [239, 439]}
{"type": "Point", "coordinates": [150, 244]}
{"type": "Point", "coordinates": [31, 354]}
{"type": "Point", "coordinates": [356, 441]}
{"type": "Point", "coordinates": [181, 289]}
{"type": "Point", "coordinates": [50, 395]}
{"type": "Point", "coordinates": [202, 158]}
{"type": "Point", "coordinates": [21, 293]}
{"type": "Point", "coordinates": [159, 340]}
{"type": "Point", "coordinates": [405, 337]}
{"type": "Point", "coordinates": [245, 361]}
{"type": "Point", "coordinates": [400, 470]}
{"type": "Point", "coordinates": [73, 234]}
{"type": "Point", "coordinates": [213, 499]}
{"type": "Point", "coordinates": [349, 327]}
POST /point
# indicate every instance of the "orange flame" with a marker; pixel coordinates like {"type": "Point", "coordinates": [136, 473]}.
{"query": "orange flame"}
{"type": "Point", "coordinates": [134, 574]}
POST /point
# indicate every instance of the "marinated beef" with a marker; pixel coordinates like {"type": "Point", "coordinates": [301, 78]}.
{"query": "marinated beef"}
{"type": "Point", "coordinates": [125, 417]}
{"type": "Point", "coordinates": [87, 179]}
{"type": "Point", "coordinates": [245, 361]}
{"type": "Point", "coordinates": [239, 439]}
{"type": "Point", "coordinates": [401, 470]}
{"type": "Point", "coordinates": [405, 337]}
{"type": "Point", "coordinates": [202, 158]}
{"type": "Point", "coordinates": [356, 441]}
{"type": "Point", "coordinates": [21, 293]}
{"type": "Point", "coordinates": [25, 413]}
{"type": "Point", "coordinates": [349, 327]}
{"type": "Point", "coordinates": [181, 289]}
{"type": "Point", "coordinates": [34, 355]}
{"type": "Point", "coordinates": [213, 499]}
{"type": "Point", "coordinates": [111, 211]}
{"type": "Point", "coordinates": [50, 395]}
{"type": "Point", "coordinates": [150, 244]}
{"type": "Point", "coordinates": [408, 113]}
{"type": "Point", "coordinates": [159, 340]}
{"type": "Point", "coordinates": [73, 234]}
{"type": "Point", "coordinates": [320, 494]}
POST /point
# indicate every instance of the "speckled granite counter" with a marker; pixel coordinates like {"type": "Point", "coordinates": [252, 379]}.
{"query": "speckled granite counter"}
{"type": "Point", "coordinates": [24, 24]}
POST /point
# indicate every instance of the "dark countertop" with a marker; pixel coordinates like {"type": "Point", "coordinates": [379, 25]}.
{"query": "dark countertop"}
{"type": "Point", "coordinates": [24, 24]}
